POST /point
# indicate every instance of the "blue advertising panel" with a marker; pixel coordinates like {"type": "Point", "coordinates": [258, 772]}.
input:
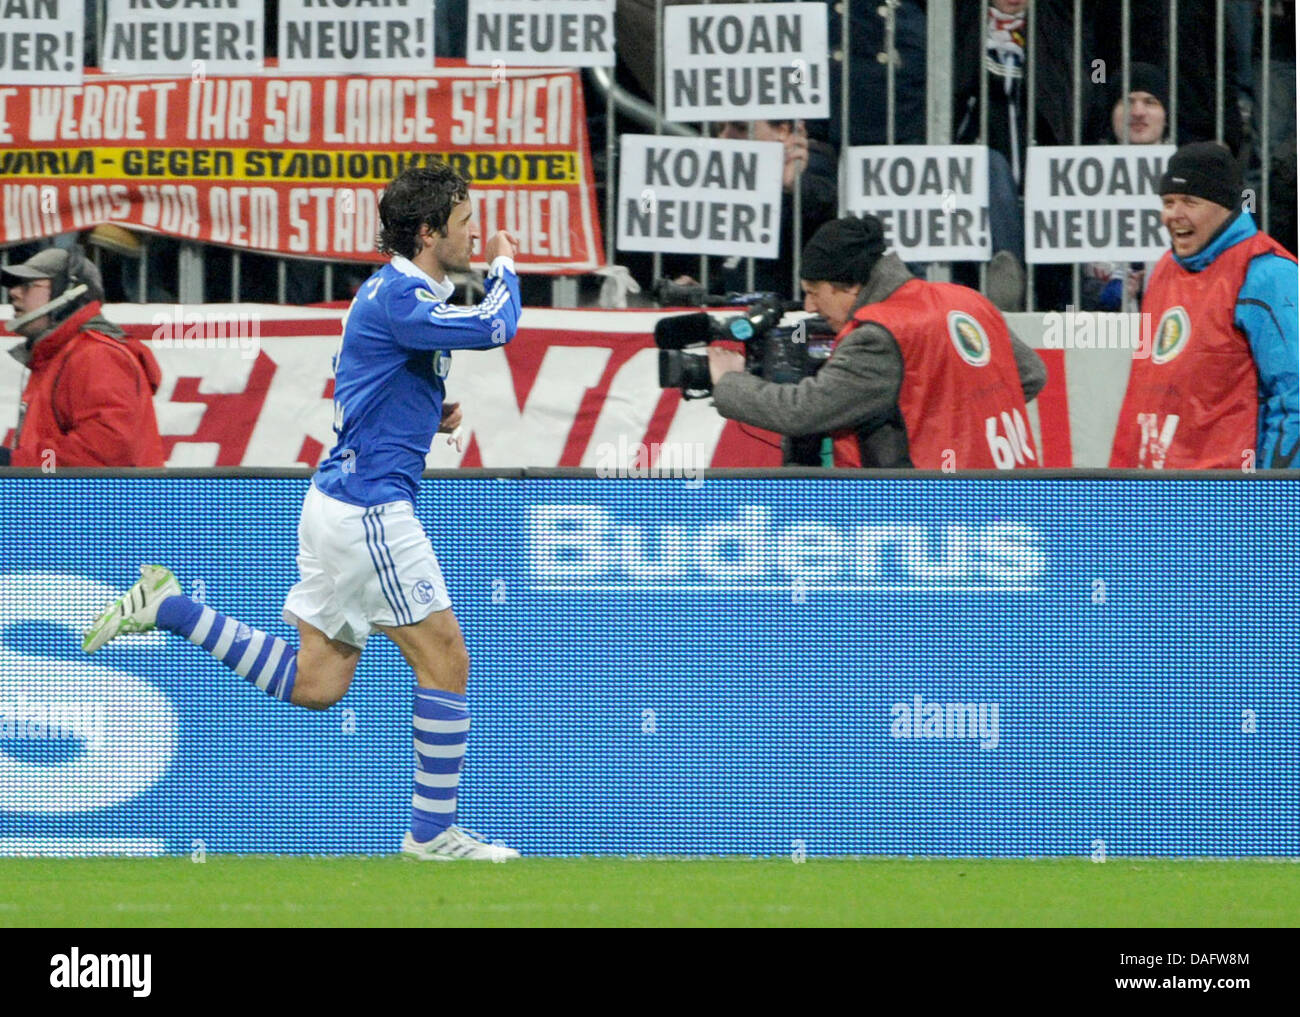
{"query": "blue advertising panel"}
{"type": "Point", "coordinates": [952, 666]}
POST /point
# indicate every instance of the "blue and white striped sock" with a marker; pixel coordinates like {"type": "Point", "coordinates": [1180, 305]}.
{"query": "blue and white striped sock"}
{"type": "Point", "coordinates": [441, 727]}
{"type": "Point", "coordinates": [268, 662]}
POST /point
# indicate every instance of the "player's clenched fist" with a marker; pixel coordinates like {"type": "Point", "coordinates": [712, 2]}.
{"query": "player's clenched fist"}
{"type": "Point", "coordinates": [451, 418]}
{"type": "Point", "coordinates": [501, 242]}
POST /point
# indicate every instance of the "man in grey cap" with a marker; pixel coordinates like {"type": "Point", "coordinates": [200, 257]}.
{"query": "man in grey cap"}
{"type": "Point", "coordinates": [89, 398]}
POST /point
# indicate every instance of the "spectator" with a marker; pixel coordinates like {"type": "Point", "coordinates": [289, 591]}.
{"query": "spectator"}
{"type": "Point", "coordinates": [89, 398]}
{"type": "Point", "coordinates": [868, 67]}
{"type": "Point", "coordinates": [1004, 60]}
{"type": "Point", "coordinates": [1106, 284]}
{"type": "Point", "coordinates": [1219, 389]}
{"type": "Point", "coordinates": [635, 27]}
{"type": "Point", "coordinates": [1197, 48]}
{"type": "Point", "coordinates": [813, 163]}
{"type": "Point", "coordinates": [1146, 109]}
{"type": "Point", "coordinates": [923, 374]}
{"type": "Point", "coordinates": [868, 75]}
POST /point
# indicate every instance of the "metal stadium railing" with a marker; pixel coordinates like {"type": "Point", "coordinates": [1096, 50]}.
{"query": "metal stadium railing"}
{"type": "Point", "coordinates": [195, 262]}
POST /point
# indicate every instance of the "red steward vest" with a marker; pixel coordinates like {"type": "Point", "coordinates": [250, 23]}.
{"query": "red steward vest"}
{"type": "Point", "coordinates": [1194, 403]}
{"type": "Point", "coordinates": [961, 399]}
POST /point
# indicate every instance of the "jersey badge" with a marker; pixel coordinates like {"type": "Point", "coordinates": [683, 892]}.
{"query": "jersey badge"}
{"type": "Point", "coordinates": [968, 337]}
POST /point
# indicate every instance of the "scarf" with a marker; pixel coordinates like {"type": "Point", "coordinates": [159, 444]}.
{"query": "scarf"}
{"type": "Point", "coordinates": [1006, 46]}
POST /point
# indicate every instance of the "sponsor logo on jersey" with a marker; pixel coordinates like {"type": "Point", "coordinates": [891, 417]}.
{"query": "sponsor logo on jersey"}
{"type": "Point", "coordinates": [968, 337]}
{"type": "Point", "coordinates": [1172, 335]}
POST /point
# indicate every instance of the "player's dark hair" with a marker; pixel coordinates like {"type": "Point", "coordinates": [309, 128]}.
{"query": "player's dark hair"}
{"type": "Point", "coordinates": [419, 196]}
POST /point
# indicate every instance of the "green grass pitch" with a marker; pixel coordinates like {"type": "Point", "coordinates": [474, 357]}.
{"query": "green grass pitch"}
{"type": "Point", "coordinates": [259, 890]}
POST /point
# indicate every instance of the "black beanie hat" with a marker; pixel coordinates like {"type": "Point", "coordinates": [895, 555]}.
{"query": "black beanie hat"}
{"type": "Point", "coordinates": [1141, 78]}
{"type": "Point", "coordinates": [1206, 170]}
{"type": "Point", "coordinates": [843, 250]}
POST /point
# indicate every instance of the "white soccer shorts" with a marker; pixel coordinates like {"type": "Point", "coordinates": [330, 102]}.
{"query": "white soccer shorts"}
{"type": "Point", "coordinates": [362, 568]}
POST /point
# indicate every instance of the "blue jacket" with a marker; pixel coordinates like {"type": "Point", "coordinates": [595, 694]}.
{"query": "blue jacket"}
{"type": "Point", "coordinates": [1267, 315]}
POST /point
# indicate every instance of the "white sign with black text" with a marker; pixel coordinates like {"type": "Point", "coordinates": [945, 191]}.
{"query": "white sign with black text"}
{"type": "Point", "coordinates": [932, 199]}
{"type": "Point", "coordinates": [189, 37]}
{"type": "Point", "coordinates": [356, 36]}
{"type": "Point", "coordinates": [699, 196]}
{"type": "Point", "coordinates": [746, 62]}
{"type": "Point", "coordinates": [41, 42]}
{"type": "Point", "coordinates": [1094, 203]}
{"type": "Point", "coordinates": [540, 33]}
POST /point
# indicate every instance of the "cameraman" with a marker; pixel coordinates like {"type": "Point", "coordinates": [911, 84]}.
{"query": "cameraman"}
{"type": "Point", "coordinates": [923, 374]}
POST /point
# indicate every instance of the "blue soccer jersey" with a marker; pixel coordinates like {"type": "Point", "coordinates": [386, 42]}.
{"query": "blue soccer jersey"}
{"type": "Point", "coordinates": [389, 375]}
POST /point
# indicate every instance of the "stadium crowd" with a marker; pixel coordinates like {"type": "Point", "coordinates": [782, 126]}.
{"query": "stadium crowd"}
{"type": "Point", "coordinates": [999, 47]}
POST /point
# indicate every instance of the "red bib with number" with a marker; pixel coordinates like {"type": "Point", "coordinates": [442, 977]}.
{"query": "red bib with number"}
{"type": "Point", "coordinates": [1194, 403]}
{"type": "Point", "coordinates": [961, 400]}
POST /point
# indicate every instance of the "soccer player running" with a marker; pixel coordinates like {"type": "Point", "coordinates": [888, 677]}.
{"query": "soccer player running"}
{"type": "Point", "coordinates": [364, 559]}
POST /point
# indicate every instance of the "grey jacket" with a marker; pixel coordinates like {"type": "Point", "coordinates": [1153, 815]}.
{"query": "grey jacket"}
{"type": "Point", "coordinates": [856, 388]}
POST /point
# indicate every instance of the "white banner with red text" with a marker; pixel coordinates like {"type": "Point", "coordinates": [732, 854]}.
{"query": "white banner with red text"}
{"type": "Point", "coordinates": [252, 385]}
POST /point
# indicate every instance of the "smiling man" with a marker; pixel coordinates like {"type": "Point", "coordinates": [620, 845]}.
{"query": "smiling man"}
{"type": "Point", "coordinates": [1220, 387]}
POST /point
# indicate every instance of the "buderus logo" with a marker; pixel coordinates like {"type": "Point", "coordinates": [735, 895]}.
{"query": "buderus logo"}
{"type": "Point", "coordinates": [590, 547]}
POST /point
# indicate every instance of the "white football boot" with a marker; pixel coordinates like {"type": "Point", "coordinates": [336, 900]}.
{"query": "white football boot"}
{"type": "Point", "coordinates": [457, 844]}
{"type": "Point", "coordinates": [136, 610]}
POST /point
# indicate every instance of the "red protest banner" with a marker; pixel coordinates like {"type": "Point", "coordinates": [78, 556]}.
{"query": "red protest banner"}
{"type": "Point", "coordinates": [295, 165]}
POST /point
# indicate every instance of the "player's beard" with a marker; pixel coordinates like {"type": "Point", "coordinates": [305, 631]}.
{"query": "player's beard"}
{"type": "Point", "coordinates": [460, 261]}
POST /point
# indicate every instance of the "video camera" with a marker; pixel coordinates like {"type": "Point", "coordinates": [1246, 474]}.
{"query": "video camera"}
{"type": "Point", "coordinates": [785, 354]}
